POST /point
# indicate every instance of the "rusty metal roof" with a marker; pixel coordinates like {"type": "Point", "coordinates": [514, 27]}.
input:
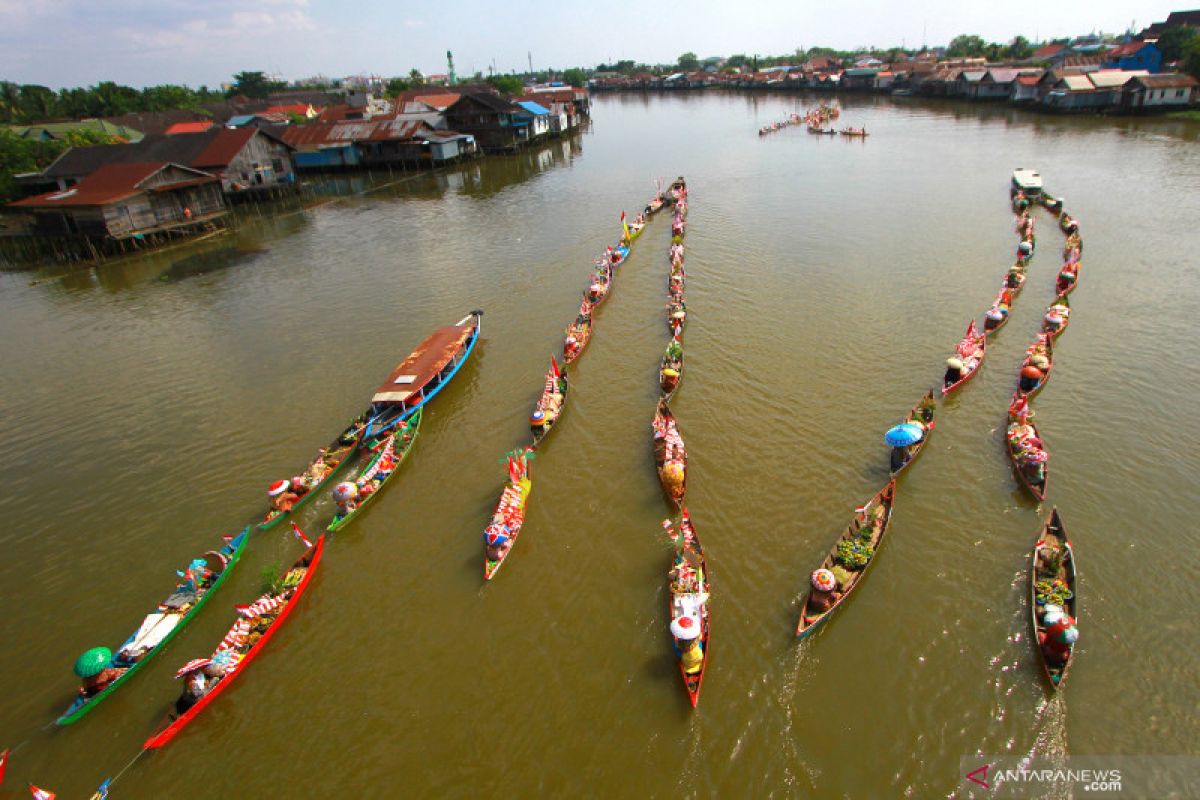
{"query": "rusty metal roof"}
{"type": "Point", "coordinates": [113, 182]}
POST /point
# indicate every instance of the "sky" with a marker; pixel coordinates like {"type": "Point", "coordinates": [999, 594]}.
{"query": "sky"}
{"type": "Point", "coordinates": [66, 43]}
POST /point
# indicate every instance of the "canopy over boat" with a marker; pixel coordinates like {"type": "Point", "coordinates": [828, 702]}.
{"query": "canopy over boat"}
{"type": "Point", "coordinates": [1027, 180]}
{"type": "Point", "coordinates": [425, 362]}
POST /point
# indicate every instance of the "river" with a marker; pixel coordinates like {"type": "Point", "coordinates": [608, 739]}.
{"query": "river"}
{"type": "Point", "coordinates": [147, 404]}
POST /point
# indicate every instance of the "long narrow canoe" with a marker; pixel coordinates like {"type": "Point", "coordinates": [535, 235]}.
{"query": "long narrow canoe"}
{"type": "Point", "coordinates": [1044, 347]}
{"type": "Point", "coordinates": [971, 351]}
{"type": "Point", "coordinates": [550, 404]}
{"type": "Point", "coordinates": [689, 588]}
{"type": "Point", "coordinates": [1053, 560]}
{"type": "Point", "coordinates": [578, 333]}
{"type": "Point", "coordinates": [380, 469]}
{"type": "Point", "coordinates": [869, 527]}
{"type": "Point", "coordinates": [1062, 286]}
{"type": "Point", "coordinates": [244, 641]}
{"type": "Point", "coordinates": [670, 372]}
{"type": "Point", "coordinates": [598, 290]}
{"type": "Point", "coordinates": [418, 378]}
{"type": "Point", "coordinates": [670, 454]}
{"type": "Point", "coordinates": [168, 619]}
{"type": "Point", "coordinates": [323, 468]}
{"type": "Point", "coordinates": [922, 414]}
{"type": "Point", "coordinates": [501, 533]}
{"type": "Point", "coordinates": [1062, 307]}
{"type": "Point", "coordinates": [1024, 442]}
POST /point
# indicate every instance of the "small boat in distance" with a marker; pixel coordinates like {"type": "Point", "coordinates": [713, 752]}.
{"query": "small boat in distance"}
{"type": "Point", "coordinates": [416, 379]}
{"type": "Point", "coordinates": [1027, 181]}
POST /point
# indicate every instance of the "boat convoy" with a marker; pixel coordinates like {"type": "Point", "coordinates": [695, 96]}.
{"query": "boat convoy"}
{"type": "Point", "coordinates": [815, 120]}
{"type": "Point", "coordinates": [380, 438]}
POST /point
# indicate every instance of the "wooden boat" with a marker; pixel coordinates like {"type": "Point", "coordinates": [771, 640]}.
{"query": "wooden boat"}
{"type": "Point", "coordinates": [380, 469]}
{"type": "Point", "coordinates": [866, 530]}
{"type": "Point", "coordinates": [655, 205]}
{"type": "Point", "coordinates": [922, 413]}
{"type": "Point", "coordinates": [971, 351]}
{"type": "Point", "coordinates": [597, 292]}
{"type": "Point", "coordinates": [670, 373]}
{"type": "Point", "coordinates": [854, 132]}
{"type": "Point", "coordinates": [578, 334]}
{"type": "Point", "coordinates": [1062, 307]}
{"type": "Point", "coordinates": [501, 533]}
{"type": "Point", "coordinates": [322, 469]}
{"type": "Point", "coordinates": [550, 405]}
{"type": "Point", "coordinates": [670, 454]}
{"type": "Point", "coordinates": [1042, 347]}
{"type": "Point", "coordinates": [1062, 287]}
{"type": "Point", "coordinates": [418, 378]}
{"type": "Point", "coordinates": [675, 282]}
{"type": "Point", "coordinates": [158, 628]}
{"type": "Point", "coordinates": [618, 254]}
{"type": "Point", "coordinates": [676, 316]}
{"type": "Point", "coordinates": [245, 640]}
{"type": "Point", "coordinates": [1002, 306]}
{"type": "Point", "coordinates": [1053, 561]}
{"type": "Point", "coordinates": [1027, 182]}
{"type": "Point", "coordinates": [1021, 438]}
{"type": "Point", "coordinates": [688, 585]}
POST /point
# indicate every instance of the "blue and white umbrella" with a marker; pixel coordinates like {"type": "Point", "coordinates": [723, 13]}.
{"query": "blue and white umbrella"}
{"type": "Point", "coordinates": [904, 435]}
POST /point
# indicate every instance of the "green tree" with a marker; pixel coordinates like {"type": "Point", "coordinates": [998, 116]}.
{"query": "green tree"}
{"type": "Point", "coordinates": [688, 62]}
{"type": "Point", "coordinates": [968, 45]}
{"type": "Point", "coordinates": [1191, 58]}
{"type": "Point", "coordinates": [251, 84]}
{"type": "Point", "coordinates": [37, 103]}
{"type": "Point", "coordinates": [575, 77]}
{"type": "Point", "coordinates": [1175, 42]}
{"type": "Point", "coordinates": [415, 77]}
{"type": "Point", "coordinates": [397, 85]}
{"type": "Point", "coordinates": [508, 84]}
{"type": "Point", "coordinates": [1019, 48]}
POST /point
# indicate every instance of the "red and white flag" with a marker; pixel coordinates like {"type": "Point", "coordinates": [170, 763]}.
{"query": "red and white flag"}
{"type": "Point", "coordinates": [554, 366]}
{"type": "Point", "coordinates": [41, 794]}
{"type": "Point", "coordinates": [622, 216]}
{"type": "Point", "coordinates": [300, 535]}
{"type": "Point", "coordinates": [861, 509]}
{"type": "Point", "coordinates": [3, 764]}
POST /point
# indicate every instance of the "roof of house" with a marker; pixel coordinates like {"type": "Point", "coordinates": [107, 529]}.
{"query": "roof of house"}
{"type": "Point", "coordinates": [972, 75]}
{"type": "Point", "coordinates": [1029, 80]}
{"type": "Point", "coordinates": [1127, 49]}
{"type": "Point", "coordinates": [488, 99]}
{"type": "Point", "coordinates": [113, 182]}
{"type": "Point", "coordinates": [189, 127]}
{"type": "Point", "coordinates": [1113, 78]}
{"type": "Point", "coordinates": [57, 130]}
{"type": "Point", "coordinates": [440, 101]}
{"type": "Point", "coordinates": [290, 108]}
{"type": "Point", "coordinates": [1002, 74]}
{"type": "Point", "coordinates": [157, 121]}
{"type": "Point", "coordinates": [1166, 80]}
{"type": "Point", "coordinates": [325, 134]}
{"type": "Point", "coordinates": [533, 108]}
{"type": "Point", "coordinates": [1049, 50]}
{"type": "Point", "coordinates": [211, 149]}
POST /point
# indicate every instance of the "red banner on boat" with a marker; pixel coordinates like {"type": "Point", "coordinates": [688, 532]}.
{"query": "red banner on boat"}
{"type": "Point", "coordinates": [41, 794]}
{"type": "Point", "coordinates": [300, 535]}
{"type": "Point", "coordinates": [3, 764]}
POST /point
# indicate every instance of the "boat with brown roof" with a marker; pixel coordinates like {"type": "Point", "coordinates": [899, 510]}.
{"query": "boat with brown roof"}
{"type": "Point", "coordinates": [416, 379]}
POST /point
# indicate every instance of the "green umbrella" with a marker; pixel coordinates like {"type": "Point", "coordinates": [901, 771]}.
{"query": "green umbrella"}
{"type": "Point", "coordinates": [93, 662]}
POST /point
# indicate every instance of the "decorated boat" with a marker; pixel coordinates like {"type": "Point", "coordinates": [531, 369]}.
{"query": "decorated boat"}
{"type": "Point", "coordinates": [195, 586]}
{"type": "Point", "coordinates": [319, 472]}
{"type": "Point", "coordinates": [1027, 182]}
{"type": "Point", "coordinates": [670, 454]}
{"type": "Point", "coordinates": [1057, 316]}
{"type": "Point", "coordinates": [918, 425]}
{"type": "Point", "coordinates": [965, 362]}
{"type": "Point", "coordinates": [1025, 448]}
{"type": "Point", "coordinates": [847, 562]}
{"type": "Point", "coordinates": [1067, 279]}
{"type": "Point", "coordinates": [578, 333]}
{"type": "Point", "coordinates": [352, 497]}
{"type": "Point", "coordinates": [206, 678]}
{"type": "Point", "coordinates": [676, 316]}
{"type": "Point", "coordinates": [670, 372]}
{"type": "Point", "coordinates": [418, 378]}
{"type": "Point", "coordinates": [501, 533]}
{"type": "Point", "coordinates": [1052, 599]}
{"type": "Point", "coordinates": [1035, 368]}
{"type": "Point", "coordinates": [601, 284]}
{"type": "Point", "coordinates": [688, 606]}
{"type": "Point", "coordinates": [551, 403]}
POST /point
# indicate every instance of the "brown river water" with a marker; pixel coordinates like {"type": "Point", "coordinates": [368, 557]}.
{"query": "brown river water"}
{"type": "Point", "coordinates": [146, 405]}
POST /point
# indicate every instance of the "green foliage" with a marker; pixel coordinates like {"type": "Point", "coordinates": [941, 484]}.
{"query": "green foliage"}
{"type": "Point", "coordinates": [415, 77]}
{"type": "Point", "coordinates": [853, 554]}
{"type": "Point", "coordinates": [296, 119]}
{"type": "Point", "coordinates": [1175, 43]}
{"type": "Point", "coordinates": [1019, 48]}
{"type": "Point", "coordinates": [575, 77]}
{"type": "Point", "coordinates": [508, 84]}
{"type": "Point", "coordinates": [1191, 58]}
{"type": "Point", "coordinates": [966, 45]}
{"type": "Point", "coordinates": [397, 85]}
{"type": "Point", "coordinates": [19, 155]}
{"type": "Point", "coordinates": [688, 62]}
{"type": "Point", "coordinates": [254, 84]}
{"type": "Point", "coordinates": [269, 576]}
{"type": "Point", "coordinates": [32, 103]}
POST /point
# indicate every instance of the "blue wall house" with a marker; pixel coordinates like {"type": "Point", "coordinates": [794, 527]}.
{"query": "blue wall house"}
{"type": "Point", "coordinates": [1135, 55]}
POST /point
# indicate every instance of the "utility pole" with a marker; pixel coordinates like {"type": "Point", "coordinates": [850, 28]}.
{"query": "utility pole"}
{"type": "Point", "coordinates": [529, 53]}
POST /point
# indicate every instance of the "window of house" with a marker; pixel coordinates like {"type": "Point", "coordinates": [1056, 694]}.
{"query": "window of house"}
{"type": "Point", "coordinates": [1179, 92]}
{"type": "Point", "coordinates": [277, 164]}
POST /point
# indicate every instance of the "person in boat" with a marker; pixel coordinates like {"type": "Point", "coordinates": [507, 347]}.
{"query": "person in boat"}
{"type": "Point", "coordinates": [992, 318]}
{"type": "Point", "coordinates": [954, 370]}
{"type": "Point", "coordinates": [824, 593]}
{"type": "Point", "coordinates": [316, 471]}
{"type": "Point", "coordinates": [497, 539]}
{"type": "Point", "coordinates": [1055, 318]}
{"type": "Point", "coordinates": [93, 685]}
{"type": "Point", "coordinates": [1067, 276]}
{"type": "Point", "coordinates": [686, 631]}
{"type": "Point", "coordinates": [345, 494]}
{"type": "Point", "coordinates": [1058, 637]}
{"type": "Point", "coordinates": [1013, 279]}
{"type": "Point", "coordinates": [282, 496]}
{"type": "Point", "coordinates": [1031, 377]}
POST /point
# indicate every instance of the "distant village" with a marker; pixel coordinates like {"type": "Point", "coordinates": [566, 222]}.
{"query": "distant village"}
{"type": "Point", "coordinates": [172, 174]}
{"type": "Point", "coordinates": [1086, 74]}
{"type": "Point", "coordinates": [155, 177]}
